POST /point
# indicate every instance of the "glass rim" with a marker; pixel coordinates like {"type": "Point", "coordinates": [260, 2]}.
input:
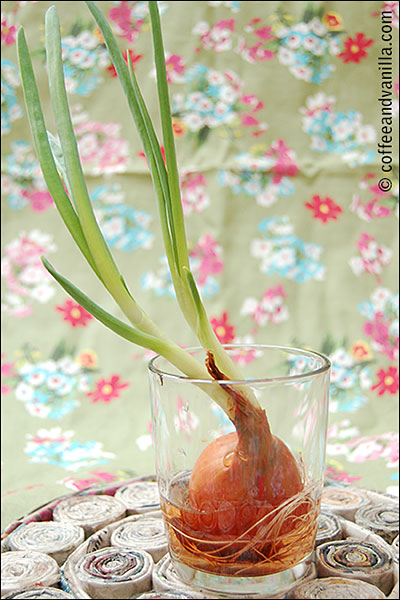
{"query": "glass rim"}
{"type": "Point", "coordinates": [280, 379]}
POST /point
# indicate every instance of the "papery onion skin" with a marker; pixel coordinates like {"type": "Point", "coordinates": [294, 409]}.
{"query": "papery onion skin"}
{"type": "Point", "coordinates": [248, 467]}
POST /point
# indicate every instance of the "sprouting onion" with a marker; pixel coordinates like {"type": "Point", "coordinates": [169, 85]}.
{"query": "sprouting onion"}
{"type": "Point", "coordinates": [269, 468]}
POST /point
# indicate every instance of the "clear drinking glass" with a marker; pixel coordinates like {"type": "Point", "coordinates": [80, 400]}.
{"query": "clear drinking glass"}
{"type": "Point", "coordinates": [251, 548]}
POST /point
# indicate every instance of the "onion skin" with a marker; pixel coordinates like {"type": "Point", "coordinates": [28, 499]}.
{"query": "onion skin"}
{"type": "Point", "coordinates": [249, 470]}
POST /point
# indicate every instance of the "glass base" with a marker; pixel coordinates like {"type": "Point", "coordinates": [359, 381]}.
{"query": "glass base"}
{"type": "Point", "coordinates": [245, 587]}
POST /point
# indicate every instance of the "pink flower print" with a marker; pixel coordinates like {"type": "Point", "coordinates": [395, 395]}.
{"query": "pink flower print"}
{"type": "Point", "coordinates": [7, 370]}
{"type": "Point", "coordinates": [252, 101]}
{"type": "Point", "coordinates": [378, 330]}
{"type": "Point", "coordinates": [101, 148]}
{"type": "Point", "coordinates": [373, 257]}
{"type": "Point", "coordinates": [207, 251]}
{"type": "Point", "coordinates": [217, 37]}
{"type": "Point", "coordinates": [391, 452]}
{"type": "Point", "coordinates": [285, 164]}
{"type": "Point", "coordinates": [244, 356]}
{"type": "Point", "coordinates": [38, 199]}
{"type": "Point", "coordinates": [372, 208]}
{"type": "Point", "coordinates": [124, 26]}
{"type": "Point", "coordinates": [27, 249]}
{"type": "Point", "coordinates": [8, 30]}
{"type": "Point", "coordinates": [254, 52]}
{"type": "Point", "coordinates": [333, 473]}
{"type": "Point", "coordinates": [271, 307]}
{"type": "Point", "coordinates": [175, 68]}
{"type": "Point", "coordinates": [249, 121]}
{"type": "Point", "coordinates": [81, 484]}
{"type": "Point", "coordinates": [194, 192]}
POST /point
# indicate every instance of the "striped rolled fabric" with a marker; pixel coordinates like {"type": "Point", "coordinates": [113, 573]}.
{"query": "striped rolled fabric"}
{"type": "Point", "coordinates": [382, 519]}
{"type": "Point", "coordinates": [143, 533]}
{"type": "Point", "coordinates": [395, 592]}
{"type": "Point", "coordinates": [89, 512]}
{"type": "Point", "coordinates": [329, 528]}
{"type": "Point", "coordinates": [21, 569]}
{"type": "Point", "coordinates": [38, 592]}
{"type": "Point", "coordinates": [343, 501]}
{"type": "Point", "coordinates": [356, 560]}
{"type": "Point", "coordinates": [139, 497]}
{"type": "Point", "coordinates": [336, 587]}
{"type": "Point", "coordinates": [55, 538]}
{"type": "Point", "coordinates": [115, 573]}
{"type": "Point", "coordinates": [395, 550]}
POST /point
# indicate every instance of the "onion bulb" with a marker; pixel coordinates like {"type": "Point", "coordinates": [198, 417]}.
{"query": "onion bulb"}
{"type": "Point", "coordinates": [243, 475]}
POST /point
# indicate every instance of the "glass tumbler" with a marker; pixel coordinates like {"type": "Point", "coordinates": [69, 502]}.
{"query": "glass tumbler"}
{"type": "Point", "coordinates": [240, 495]}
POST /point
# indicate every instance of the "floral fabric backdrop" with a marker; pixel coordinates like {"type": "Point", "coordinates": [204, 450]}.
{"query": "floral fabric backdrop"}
{"type": "Point", "coordinates": [278, 111]}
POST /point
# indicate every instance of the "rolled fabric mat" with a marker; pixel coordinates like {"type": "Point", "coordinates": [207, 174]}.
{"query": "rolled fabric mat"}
{"type": "Point", "coordinates": [395, 549]}
{"type": "Point", "coordinates": [21, 569]}
{"type": "Point", "coordinates": [55, 538]}
{"type": "Point", "coordinates": [115, 572]}
{"type": "Point", "coordinates": [382, 519]}
{"type": "Point", "coordinates": [89, 512]}
{"type": "Point", "coordinates": [139, 497]}
{"type": "Point", "coordinates": [329, 528]}
{"type": "Point", "coordinates": [395, 592]}
{"type": "Point", "coordinates": [356, 560]}
{"type": "Point", "coordinates": [335, 587]}
{"type": "Point", "coordinates": [143, 533]}
{"type": "Point", "coordinates": [37, 592]}
{"type": "Point", "coordinates": [343, 501]}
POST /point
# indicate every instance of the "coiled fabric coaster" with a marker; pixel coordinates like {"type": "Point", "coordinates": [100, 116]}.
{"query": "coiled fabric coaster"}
{"type": "Point", "coordinates": [115, 573]}
{"type": "Point", "coordinates": [343, 501]}
{"type": "Point", "coordinates": [172, 594]}
{"type": "Point", "coordinates": [329, 528]}
{"type": "Point", "coordinates": [139, 497]}
{"type": "Point", "coordinates": [143, 533]}
{"type": "Point", "coordinates": [165, 579]}
{"type": "Point", "coordinates": [57, 539]}
{"type": "Point", "coordinates": [356, 560]}
{"type": "Point", "coordinates": [21, 569]}
{"type": "Point", "coordinates": [89, 512]}
{"type": "Point", "coordinates": [382, 519]}
{"type": "Point", "coordinates": [336, 587]}
{"type": "Point", "coordinates": [38, 592]}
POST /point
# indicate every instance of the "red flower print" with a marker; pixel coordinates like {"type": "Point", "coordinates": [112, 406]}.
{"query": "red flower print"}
{"type": "Point", "coordinates": [355, 48]}
{"type": "Point", "coordinates": [87, 359]}
{"type": "Point", "coordinates": [134, 59]}
{"type": "Point", "coordinates": [74, 313]}
{"type": "Point", "coordinates": [332, 21]}
{"type": "Point", "coordinates": [324, 209]}
{"type": "Point", "coordinates": [107, 389]}
{"type": "Point", "coordinates": [388, 381]}
{"type": "Point", "coordinates": [222, 329]}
